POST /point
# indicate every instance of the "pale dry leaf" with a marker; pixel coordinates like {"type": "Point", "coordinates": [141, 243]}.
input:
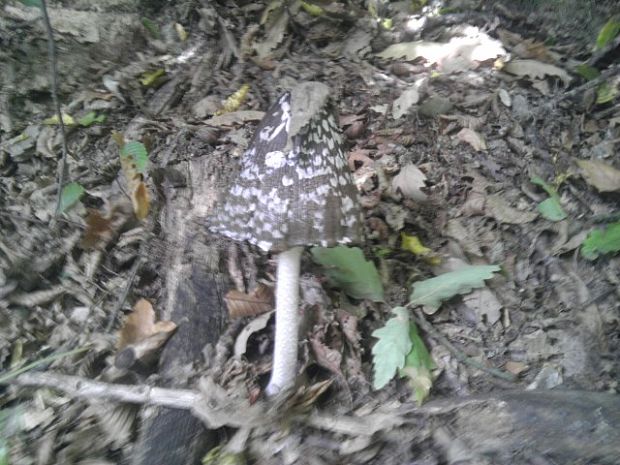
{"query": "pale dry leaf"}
{"type": "Point", "coordinates": [499, 209]}
{"type": "Point", "coordinates": [465, 51]}
{"type": "Point", "coordinates": [604, 177]}
{"type": "Point", "coordinates": [475, 203]}
{"type": "Point", "coordinates": [516, 368]}
{"type": "Point", "coordinates": [542, 87]}
{"type": "Point", "coordinates": [235, 118]}
{"type": "Point", "coordinates": [257, 324]}
{"type": "Point", "coordinates": [473, 138]}
{"type": "Point", "coordinates": [407, 99]}
{"type": "Point", "coordinates": [534, 69]}
{"type": "Point", "coordinates": [484, 303]}
{"type": "Point", "coordinates": [409, 182]}
{"type": "Point", "coordinates": [381, 109]}
{"type": "Point", "coordinates": [241, 304]}
{"type": "Point", "coordinates": [466, 121]}
{"type": "Point", "coordinates": [457, 231]}
{"type": "Point", "coordinates": [504, 97]}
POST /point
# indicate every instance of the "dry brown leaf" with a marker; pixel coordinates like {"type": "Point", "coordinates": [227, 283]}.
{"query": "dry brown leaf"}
{"type": "Point", "coordinates": [100, 228]}
{"type": "Point", "coordinates": [140, 200]}
{"type": "Point", "coordinates": [326, 357]}
{"type": "Point", "coordinates": [473, 138]}
{"type": "Point", "coordinates": [530, 48]}
{"type": "Point", "coordinates": [235, 118]}
{"type": "Point", "coordinates": [604, 177]}
{"type": "Point", "coordinates": [475, 203]}
{"type": "Point", "coordinates": [241, 304]}
{"type": "Point", "coordinates": [515, 368]}
{"type": "Point", "coordinates": [484, 303]}
{"type": "Point", "coordinates": [499, 209]}
{"type": "Point", "coordinates": [305, 397]}
{"type": "Point", "coordinates": [536, 70]}
{"type": "Point", "coordinates": [140, 324]}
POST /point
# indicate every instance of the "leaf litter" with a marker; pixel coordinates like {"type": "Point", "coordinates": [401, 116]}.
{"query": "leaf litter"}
{"type": "Point", "coordinates": [448, 162]}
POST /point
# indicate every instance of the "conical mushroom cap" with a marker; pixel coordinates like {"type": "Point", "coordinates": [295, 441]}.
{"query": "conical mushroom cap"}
{"type": "Point", "coordinates": [295, 188]}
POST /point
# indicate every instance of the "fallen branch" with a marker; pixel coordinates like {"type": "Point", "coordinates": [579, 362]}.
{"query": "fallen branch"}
{"type": "Point", "coordinates": [76, 386]}
{"type": "Point", "coordinates": [53, 65]}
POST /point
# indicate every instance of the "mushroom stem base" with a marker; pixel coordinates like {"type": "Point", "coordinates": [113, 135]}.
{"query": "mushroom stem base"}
{"type": "Point", "coordinates": [287, 322]}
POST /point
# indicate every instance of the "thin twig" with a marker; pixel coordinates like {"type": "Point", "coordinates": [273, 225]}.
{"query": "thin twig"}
{"type": "Point", "coordinates": [76, 386]}
{"type": "Point", "coordinates": [123, 297]}
{"type": "Point", "coordinates": [460, 356]}
{"type": "Point", "coordinates": [51, 52]}
{"type": "Point", "coordinates": [10, 375]}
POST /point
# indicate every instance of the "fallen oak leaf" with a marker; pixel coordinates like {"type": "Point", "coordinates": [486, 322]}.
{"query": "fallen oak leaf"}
{"type": "Point", "coordinates": [391, 349]}
{"type": "Point", "coordinates": [602, 241]}
{"type": "Point", "coordinates": [430, 293]}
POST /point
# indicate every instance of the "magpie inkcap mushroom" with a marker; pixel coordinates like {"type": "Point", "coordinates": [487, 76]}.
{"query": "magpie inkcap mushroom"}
{"type": "Point", "coordinates": [294, 190]}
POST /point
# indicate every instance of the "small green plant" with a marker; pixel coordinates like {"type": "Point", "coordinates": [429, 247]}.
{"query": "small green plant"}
{"type": "Point", "coordinates": [601, 241]}
{"type": "Point", "coordinates": [70, 195]}
{"type": "Point", "coordinates": [550, 209]}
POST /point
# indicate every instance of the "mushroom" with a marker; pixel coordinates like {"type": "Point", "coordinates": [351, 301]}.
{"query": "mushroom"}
{"type": "Point", "coordinates": [294, 190]}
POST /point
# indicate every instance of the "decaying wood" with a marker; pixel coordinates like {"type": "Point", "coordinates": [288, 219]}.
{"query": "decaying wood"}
{"type": "Point", "coordinates": [524, 427]}
{"type": "Point", "coordinates": [194, 290]}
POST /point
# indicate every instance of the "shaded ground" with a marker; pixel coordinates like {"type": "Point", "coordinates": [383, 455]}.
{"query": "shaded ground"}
{"type": "Point", "coordinates": [443, 145]}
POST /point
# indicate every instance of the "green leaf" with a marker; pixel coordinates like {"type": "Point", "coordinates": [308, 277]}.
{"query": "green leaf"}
{"type": "Point", "coordinates": [432, 292]}
{"type": "Point", "coordinates": [66, 119]}
{"type": "Point", "coordinates": [601, 241]}
{"type": "Point", "coordinates": [136, 152]}
{"type": "Point", "coordinates": [36, 3]}
{"type": "Point", "coordinates": [418, 366]}
{"type": "Point", "coordinates": [152, 27]}
{"type": "Point", "coordinates": [311, 8]}
{"type": "Point", "coordinates": [70, 195]}
{"type": "Point", "coordinates": [608, 32]}
{"type": "Point", "coordinates": [4, 452]}
{"type": "Point", "coordinates": [551, 209]}
{"type": "Point", "coordinates": [587, 72]}
{"type": "Point", "coordinates": [605, 93]}
{"type": "Point", "coordinates": [347, 269]}
{"type": "Point", "coordinates": [546, 187]}
{"type": "Point", "coordinates": [91, 118]}
{"type": "Point", "coordinates": [390, 351]}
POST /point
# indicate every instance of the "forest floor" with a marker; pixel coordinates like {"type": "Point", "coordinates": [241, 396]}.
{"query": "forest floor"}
{"type": "Point", "coordinates": [474, 139]}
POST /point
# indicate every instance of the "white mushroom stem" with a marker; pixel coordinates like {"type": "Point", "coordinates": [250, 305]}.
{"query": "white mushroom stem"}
{"type": "Point", "coordinates": [287, 322]}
